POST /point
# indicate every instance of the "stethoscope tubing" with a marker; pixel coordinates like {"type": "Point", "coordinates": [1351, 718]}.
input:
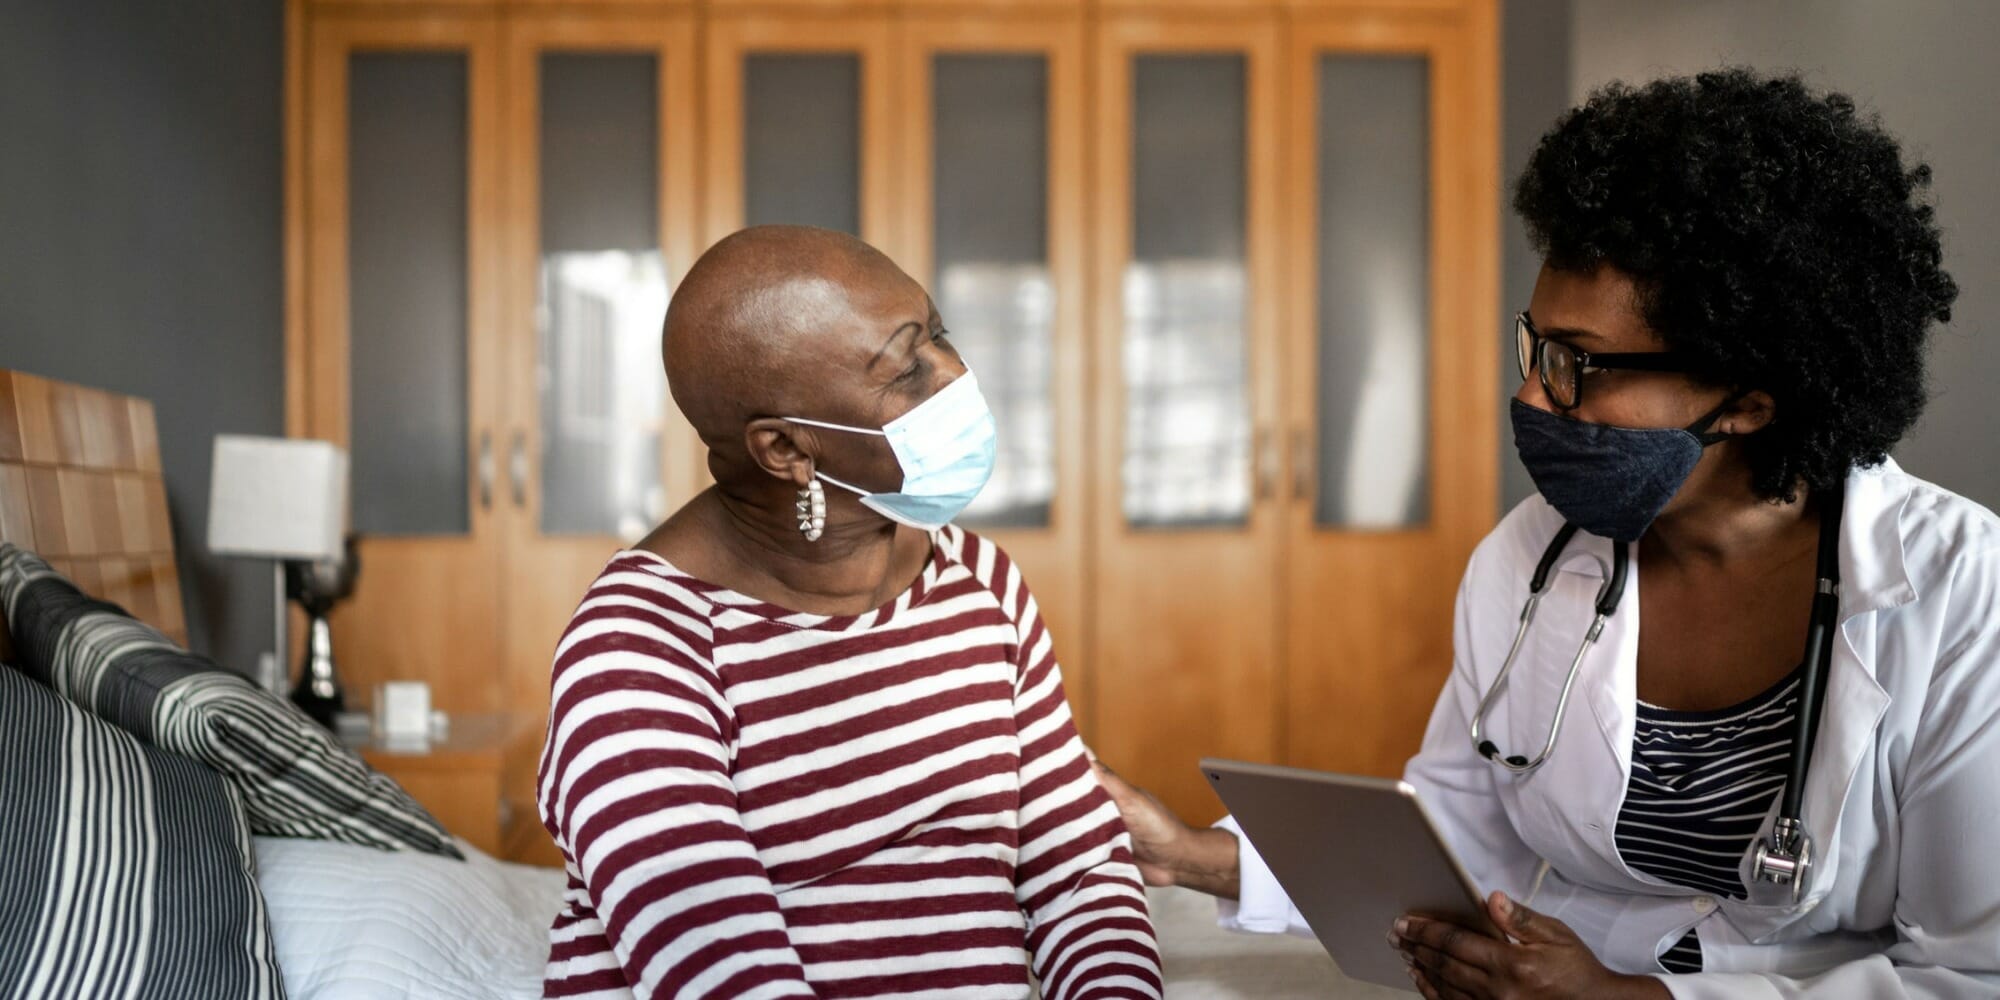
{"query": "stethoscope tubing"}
{"type": "Point", "coordinates": [1789, 841]}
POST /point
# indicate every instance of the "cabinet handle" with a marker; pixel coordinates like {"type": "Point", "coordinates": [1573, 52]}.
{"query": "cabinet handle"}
{"type": "Point", "coordinates": [485, 465]}
{"type": "Point", "coordinates": [1266, 457]}
{"type": "Point", "coordinates": [517, 468]}
{"type": "Point", "coordinates": [1302, 465]}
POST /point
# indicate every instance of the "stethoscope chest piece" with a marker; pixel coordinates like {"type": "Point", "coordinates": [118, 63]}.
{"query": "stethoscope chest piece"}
{"type": "Point", "coordinates": [1786, 858]}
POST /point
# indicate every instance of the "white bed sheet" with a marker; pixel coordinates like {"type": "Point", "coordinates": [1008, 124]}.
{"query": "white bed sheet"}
{"type": "Point", "coordinates": [355, 923]}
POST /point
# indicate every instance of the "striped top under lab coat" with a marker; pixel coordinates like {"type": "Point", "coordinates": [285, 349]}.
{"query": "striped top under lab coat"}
{"type": "Point", "coordinates": [1702, 783]}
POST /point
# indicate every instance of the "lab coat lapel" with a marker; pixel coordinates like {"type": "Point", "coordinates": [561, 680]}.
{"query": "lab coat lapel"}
{"type": "Point", "coordinates": [1616, 665]}
{"type": "Point", "coordinates": [1872, 580]}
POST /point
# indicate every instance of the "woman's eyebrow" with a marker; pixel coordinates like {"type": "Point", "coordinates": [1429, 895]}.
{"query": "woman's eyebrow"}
{"type": "Point", "coordinates": [909, 326]}
{"type": "Point", "coordinates": [1569, 333]}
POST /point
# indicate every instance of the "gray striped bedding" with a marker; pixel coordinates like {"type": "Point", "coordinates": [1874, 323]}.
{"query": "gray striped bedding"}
{"type": "Point", "coordinates": [127, 869]}
{"type": "Point", "coordinates": [294, 778]}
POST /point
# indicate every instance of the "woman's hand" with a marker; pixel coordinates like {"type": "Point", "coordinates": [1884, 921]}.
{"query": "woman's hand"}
{"type": "Point", "coordinates": [1168, 851]}
{"type": "Point", "coordinates": [1544, 959]}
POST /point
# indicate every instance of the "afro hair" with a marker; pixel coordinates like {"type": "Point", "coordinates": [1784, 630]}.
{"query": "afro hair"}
{"type": "Point", "coordinates": [1778, 240]}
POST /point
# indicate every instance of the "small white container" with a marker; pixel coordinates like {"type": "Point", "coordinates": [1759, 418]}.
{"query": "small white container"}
{"type": "Point", "coordinates": [403, 711]}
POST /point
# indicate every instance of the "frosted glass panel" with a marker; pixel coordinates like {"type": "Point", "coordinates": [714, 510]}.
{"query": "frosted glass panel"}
{"type": "Point", "coordinates": [1185, 354]}
{"type": "Point", "coordinates": [602, 392]}
{"type": "Point", "coordinates": [1374, 299]}
{"type": "Point", "coordinates": [990, 189]}
{"type": "Point", "coordinates": [407, 293]}
{"type": "Point", "coordinates": [802, 140]}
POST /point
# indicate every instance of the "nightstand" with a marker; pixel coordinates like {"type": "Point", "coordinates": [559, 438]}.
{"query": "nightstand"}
{"type": "Point", "coordinates": [462, 778]}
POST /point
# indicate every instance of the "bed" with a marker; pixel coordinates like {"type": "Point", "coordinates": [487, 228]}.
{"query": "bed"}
{"type": "Point", "coordinates": [335, 915]}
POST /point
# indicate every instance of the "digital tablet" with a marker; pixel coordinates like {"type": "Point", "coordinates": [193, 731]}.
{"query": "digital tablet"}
{"type": "Point", "coordinates": [1354, 854]}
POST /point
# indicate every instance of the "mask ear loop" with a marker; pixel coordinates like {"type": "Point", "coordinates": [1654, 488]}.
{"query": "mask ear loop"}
{"type": "Point", "coordinates": [834, 427]}
{"type": "Point", "coordinates": [1707, 436]}
{"type": "Point", "coordinates": [817, 474]}
{"type": "Point", "coordinates": [856, 490]}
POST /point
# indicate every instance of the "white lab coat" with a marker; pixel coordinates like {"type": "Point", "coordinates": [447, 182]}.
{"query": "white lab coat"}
{"type": "Point", "coordinates": [1902, 797]}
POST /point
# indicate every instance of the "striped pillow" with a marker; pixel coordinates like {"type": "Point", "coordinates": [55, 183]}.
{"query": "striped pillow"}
{"type": "Point", "coordinates": [295, 779]}
{"type": "Point", "coordinates": [127, 870]}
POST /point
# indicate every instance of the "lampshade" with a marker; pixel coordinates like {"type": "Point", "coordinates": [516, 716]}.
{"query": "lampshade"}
{"type": "Point", "coordinates": [277, 497]}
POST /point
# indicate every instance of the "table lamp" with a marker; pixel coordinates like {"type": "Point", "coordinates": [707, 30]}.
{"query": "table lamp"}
{"type": "Point", "coordinates": [285, 499]}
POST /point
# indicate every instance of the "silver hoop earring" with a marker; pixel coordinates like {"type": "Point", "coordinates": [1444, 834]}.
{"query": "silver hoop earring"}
{"type": "Point", "coordinates": [812, 510]}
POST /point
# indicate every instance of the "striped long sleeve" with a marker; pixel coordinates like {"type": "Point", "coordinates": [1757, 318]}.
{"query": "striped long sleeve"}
{"type": "Point", "coordinates": [637, 791]}
{"type": "Point", "coordinates": [1089, 931]}
{"type": "Point", "coordinates": [757, 802]}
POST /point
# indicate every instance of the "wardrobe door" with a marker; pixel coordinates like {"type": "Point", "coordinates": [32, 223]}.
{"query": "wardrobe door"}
{"type": "Point", "coordinates": [601, 221]}
{"type": "Point", "coordinates": [1186, 506]}
{"type": "Point", "coordinates": [1391, 343]}
{"type": "Point", "coordinates": [991, 130]}
{"type": "Point", "coordinates": [402, 298]}
{"type": "Point", "coordinates": [797, 123]}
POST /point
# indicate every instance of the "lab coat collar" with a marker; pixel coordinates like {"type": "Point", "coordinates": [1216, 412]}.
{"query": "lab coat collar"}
{"type": "Point", "coordinates": [1873, 576]}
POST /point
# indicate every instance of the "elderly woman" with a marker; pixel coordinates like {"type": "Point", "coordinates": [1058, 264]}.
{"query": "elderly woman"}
{"type": "Point", "coordinates": [1726, 340]}
{"type": "Point", "coordinates": [811, 741]}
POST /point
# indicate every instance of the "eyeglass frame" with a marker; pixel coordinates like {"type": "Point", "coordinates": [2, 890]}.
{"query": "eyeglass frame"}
{"type": "Point", "coordinates": [1586, 362]}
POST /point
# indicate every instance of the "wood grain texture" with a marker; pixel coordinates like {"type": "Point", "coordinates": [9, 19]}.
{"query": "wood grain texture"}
{"type": "Point", "coordinates": [426, 607]}
{"type": "Point", "coordinates": [1052, 557]}
{"type": "Point", "coordinates": [1186, 649]}
{"type": "Point", "coordinates": [730, 37]}
{"type": "Point", "coordinates": [35, 415]}
{"type": "Point", "coordinates": [546, 574]}
{"type": "Point", "coordinates": [80, 485]}
{"type": "Point", "coordinates": [1368, 645]}
{"type": "Point", "coordinates": [460, 778]}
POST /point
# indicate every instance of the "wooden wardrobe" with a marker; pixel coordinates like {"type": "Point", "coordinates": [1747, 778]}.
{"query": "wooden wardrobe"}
{"type": "Point", "coordinates": [1228, 272]}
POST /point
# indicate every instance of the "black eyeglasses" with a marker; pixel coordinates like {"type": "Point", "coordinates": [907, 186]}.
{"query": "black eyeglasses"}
{"type": "Point", "coordinates": [1562, 367]}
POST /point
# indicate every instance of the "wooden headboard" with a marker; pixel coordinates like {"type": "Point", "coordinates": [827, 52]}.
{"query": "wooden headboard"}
{"type": "Point", "coordinates": [80, 485]}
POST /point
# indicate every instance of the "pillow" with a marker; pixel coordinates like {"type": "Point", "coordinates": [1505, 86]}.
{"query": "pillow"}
{"type": "Point", "coordinates": [295, 779]}
{"type": "Point", "coordinates": [127, 870]}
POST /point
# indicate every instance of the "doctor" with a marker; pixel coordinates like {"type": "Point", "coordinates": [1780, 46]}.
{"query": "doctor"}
{"type": "Point", "coordinates": [1725, 341]}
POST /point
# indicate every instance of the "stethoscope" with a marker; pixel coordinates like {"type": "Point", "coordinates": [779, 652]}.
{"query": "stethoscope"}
{"type": "Point", "coordinates": [1786, 857]}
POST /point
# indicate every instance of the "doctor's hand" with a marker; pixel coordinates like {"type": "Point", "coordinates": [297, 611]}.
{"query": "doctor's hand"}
{"type": "Point", "coordinates": [1544, 959]}
{"type": "Point", "coordinates": [1168, 851]}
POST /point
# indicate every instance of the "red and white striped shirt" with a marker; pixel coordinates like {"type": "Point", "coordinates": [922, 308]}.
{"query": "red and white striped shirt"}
{"type": "Point", "coordinates": [755, 802]}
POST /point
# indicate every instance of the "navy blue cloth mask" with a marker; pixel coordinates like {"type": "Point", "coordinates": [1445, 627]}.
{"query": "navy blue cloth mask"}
{"type": "Point", "coordinates": [1609, 481]}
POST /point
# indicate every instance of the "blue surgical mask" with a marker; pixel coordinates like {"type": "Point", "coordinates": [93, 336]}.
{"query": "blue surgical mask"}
{"type": "Point", "coordinates": [1609, 481]}
{"type": "Point", "coordinates": [945, 445]}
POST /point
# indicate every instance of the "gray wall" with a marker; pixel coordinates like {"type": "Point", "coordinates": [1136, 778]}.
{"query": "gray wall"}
{"type": "Point", "coordinates": [1929, 69]}
{"type": "Point", "coordinates": [140, 229]}
{"type": "Point", "coordinates": [1535, 81]}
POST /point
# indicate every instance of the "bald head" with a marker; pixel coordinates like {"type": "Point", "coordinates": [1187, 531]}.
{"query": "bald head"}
{"type": "Point", "coordinates": [764, 316]}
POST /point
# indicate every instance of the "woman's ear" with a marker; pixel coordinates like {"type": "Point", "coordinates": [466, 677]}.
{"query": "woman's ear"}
{"type": "Point", "coordinates": [774, 445]}
{"type": "Point", "coordinates": [1752, 412]}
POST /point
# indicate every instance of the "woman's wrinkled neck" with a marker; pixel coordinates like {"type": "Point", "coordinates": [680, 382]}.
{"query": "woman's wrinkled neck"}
{"type": "Point", "coordinates": [851, 567]}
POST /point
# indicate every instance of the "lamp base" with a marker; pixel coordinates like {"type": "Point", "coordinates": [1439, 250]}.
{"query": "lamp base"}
{"type": "Point", "coordinates": [318, 690]}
